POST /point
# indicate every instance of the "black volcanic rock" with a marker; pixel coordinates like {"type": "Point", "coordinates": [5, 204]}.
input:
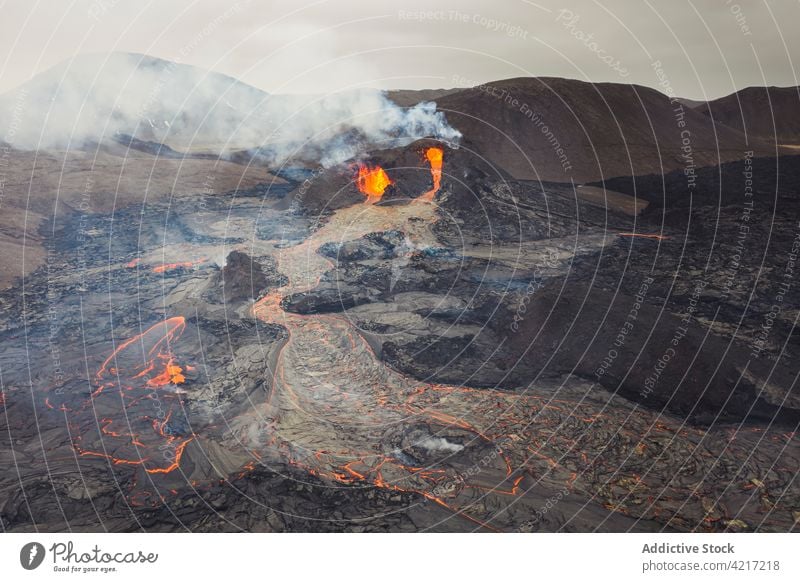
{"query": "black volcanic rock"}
{"type": "Point", "coordinates": [332, 300]}
{"type": "Point", "coordinates": [690, 349]}
{"type": "Point", "coordinates": [243, 278]}
{"type": "Point", "coordinates": [375, 245]}
{"type": "Point", "coordinates": [774, 180]}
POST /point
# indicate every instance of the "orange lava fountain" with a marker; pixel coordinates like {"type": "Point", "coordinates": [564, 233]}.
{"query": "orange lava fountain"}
{"type": "Point", "coordinates": [434, 157]}
{"type": "Point", "coordinates": [372, 182]}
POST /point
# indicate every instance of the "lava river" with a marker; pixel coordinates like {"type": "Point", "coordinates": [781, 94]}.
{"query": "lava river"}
{"type": "Point", "coordinates": [492, 457]}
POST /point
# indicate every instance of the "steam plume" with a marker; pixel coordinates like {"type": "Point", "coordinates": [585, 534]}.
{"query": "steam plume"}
{"type": "Point", "coordinates": [93, 98]}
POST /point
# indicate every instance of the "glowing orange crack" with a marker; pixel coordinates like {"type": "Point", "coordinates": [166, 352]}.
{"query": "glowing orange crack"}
{"type": "Point", "coordinates": [178, 454]}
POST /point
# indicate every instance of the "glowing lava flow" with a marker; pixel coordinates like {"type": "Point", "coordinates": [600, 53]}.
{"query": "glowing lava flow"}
{"type": "Point", "coordinates": [435, 156]}
{"type": "Point", "coordinates": [172, 374]}
{"type": "Point", "coordinates": [183, 264]}
{"type": "Point", "coordinates": [335, 407]}
{"type": "Point", "coordinates": [127, 383]}
{"type": "Point", "coordinates": [372, 182]}
{"type": "Point", "coordinates": [339, 413]}
{"type": "Point", "coordinates": [158, 337]}
{"type": "Point", "coordinates": [643, 235]}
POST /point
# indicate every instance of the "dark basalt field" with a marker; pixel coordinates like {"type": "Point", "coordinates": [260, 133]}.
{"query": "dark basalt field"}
{"type": "Point", "coordinates": [496, 355]}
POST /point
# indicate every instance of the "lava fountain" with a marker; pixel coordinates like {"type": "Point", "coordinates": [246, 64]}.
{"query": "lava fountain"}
{"type": "Point", "coordinates": [372, 182]}
{"type": "Point", "coordinates": [435, 156]}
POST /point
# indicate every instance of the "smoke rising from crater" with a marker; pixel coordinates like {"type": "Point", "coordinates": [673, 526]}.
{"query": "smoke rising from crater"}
{"type": "Point", "coordinates": [338, 126]}
{"type": "Point", "coordinates": [94, 98]}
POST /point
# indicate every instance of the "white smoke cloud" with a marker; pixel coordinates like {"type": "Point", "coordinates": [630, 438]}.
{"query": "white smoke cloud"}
{"type": "Point", "coordinates": [96, 97]}
{"type": "Point", "coordinates": [440, 444]}
{"type": "Point", "coordinates": [340, 125]}
{"type": "Point", "coordinates": [93, 98]}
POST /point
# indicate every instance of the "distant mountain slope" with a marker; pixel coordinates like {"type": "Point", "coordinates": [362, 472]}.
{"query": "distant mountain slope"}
{"type": "Point", "coordinates": [558, 129]}
{"type": "Point", "coordinates": [534, 128]}
{"type": "Point", "coordinates": [98, 98]}
{"type": "Point", "coordinates": [99, 95]}
{"type": "Point", "coordinates": [691, 103]}
{"type": "Point", "coordinates": [771, 113]}
{"type": "Point", "coordinates": [409, 98]}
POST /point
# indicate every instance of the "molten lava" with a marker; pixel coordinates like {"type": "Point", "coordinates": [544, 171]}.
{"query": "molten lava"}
{"type": "Point", "coordinates": [435, 156]}
{"type": "Point", "coordinates": [153, 345]}
{"type": "Point", "coordinates": [143, 437]}
{"type": "Point", "coordinates": [183, 264]}
{"type": "Point", "coordinates": [372, 182]}
{"type": "Point", "coordinates": [172, 374]}
{"type": "Point", "coordinates": [643, 235]}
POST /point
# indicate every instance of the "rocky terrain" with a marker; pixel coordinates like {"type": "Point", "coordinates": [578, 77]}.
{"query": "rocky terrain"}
{"type": "Point", "coordinates": [402, 334]}
{"type": "Point", "coordinates": [280, 361]}
{"type": "Point", "coordinates": [41, 186]}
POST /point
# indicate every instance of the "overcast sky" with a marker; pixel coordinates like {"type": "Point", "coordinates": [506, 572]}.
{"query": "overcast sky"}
{"type": "Point", "coordinates": [707, 48]}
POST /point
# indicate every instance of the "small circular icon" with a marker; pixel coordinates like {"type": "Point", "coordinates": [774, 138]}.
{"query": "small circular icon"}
{"type": "Point", "coordinates": [31, 555]}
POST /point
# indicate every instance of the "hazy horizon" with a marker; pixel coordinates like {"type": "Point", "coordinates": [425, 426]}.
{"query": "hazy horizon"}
{"type": "Point", "coordinates": [703, 52]}
{"type": "Point", "coordinates": [376, 88]}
